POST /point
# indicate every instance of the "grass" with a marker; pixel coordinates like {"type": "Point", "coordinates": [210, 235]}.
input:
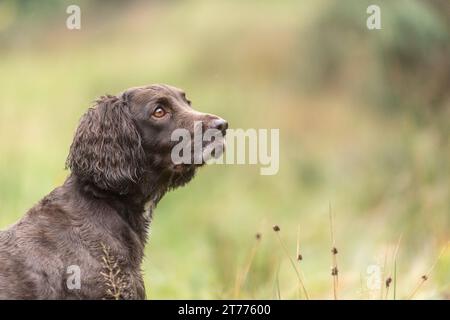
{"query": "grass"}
{"type": "Point", "coordinates": [384, 171]}
{"type": "Point", "coordinates": [334, 252]}
{"type": "Point", "coordinates": [427, 275]}
{"type": "Point", "coordinates": [291, 260]}
{"type": "Point", "coordinates": [395, 265]}
{"type": "Point", "coordinates": [116, 282]}
{"type": "Point", "coordinates": [388, 282]}
{"type": "Point", "coordinates": [241, 276]}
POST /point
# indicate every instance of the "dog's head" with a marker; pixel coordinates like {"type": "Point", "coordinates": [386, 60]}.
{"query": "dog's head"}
{"type": "Point", "coordinates": [142, 134]}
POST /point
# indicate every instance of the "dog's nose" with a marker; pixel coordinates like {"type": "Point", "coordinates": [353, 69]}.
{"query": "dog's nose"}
{"type": "Point", "coordinates": [220, 124]}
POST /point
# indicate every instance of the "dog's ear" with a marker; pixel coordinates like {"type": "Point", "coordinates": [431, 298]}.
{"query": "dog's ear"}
{"type": "Point", "coordinates": [107, 149]}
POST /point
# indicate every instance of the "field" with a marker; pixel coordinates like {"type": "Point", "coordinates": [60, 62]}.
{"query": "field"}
{"type": "Point", "coordinates": [364, 119]}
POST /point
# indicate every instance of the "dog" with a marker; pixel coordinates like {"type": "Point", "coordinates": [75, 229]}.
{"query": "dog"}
{"type": "Point", "coordinates": [85, 240]}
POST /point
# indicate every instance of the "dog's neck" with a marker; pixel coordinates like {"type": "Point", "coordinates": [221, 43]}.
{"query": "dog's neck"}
{"type": "Point", "coordinates": [135, 208]}
{"type": "Point", "coordinates": [137, 205]}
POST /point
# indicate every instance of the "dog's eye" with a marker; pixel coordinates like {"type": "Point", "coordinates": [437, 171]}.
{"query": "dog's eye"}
{"type": "Point", "coordinates": [159, 112]}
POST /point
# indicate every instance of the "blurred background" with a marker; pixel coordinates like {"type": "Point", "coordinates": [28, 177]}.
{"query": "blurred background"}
{"type": "Point", "coordinates": [364, 119]}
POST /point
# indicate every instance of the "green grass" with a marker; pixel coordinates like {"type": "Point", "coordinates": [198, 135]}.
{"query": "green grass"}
{"type": "Point", "coordinates": [384, 173]}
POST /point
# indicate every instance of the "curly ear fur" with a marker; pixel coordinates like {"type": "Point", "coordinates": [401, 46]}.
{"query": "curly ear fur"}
{"type": "Point", "coordinates": [106, 149]}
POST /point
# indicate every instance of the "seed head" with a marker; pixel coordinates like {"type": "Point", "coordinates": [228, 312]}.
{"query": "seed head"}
{"type": "Point", "coordinates": [334, 271]}
{"type": "Point", "coordinates": [299, 257]}
{"type": "Point", "coordinates": [276, 228]}
{"type": "Point", "coordinates": [334, 250]}
{"type": "Point", "coordinates": [424, 277]}
{"type": "Point", "coordinates": [388, 282]}
{"type": "Point", "coordinates": [258, 236]}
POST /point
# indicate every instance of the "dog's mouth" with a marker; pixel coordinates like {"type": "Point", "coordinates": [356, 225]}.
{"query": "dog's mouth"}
{"type": "Point", "coordinates": [202, 155]}
{"type": "Point", "coordinates": [213, 150]}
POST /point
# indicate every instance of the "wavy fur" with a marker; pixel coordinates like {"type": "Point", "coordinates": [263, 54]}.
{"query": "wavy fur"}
{"type": "Point", "coordinates": [106, 149]}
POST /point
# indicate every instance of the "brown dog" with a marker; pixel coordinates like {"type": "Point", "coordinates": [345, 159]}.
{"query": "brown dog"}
{"type": "Point", "coordinates": [85, 240]}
